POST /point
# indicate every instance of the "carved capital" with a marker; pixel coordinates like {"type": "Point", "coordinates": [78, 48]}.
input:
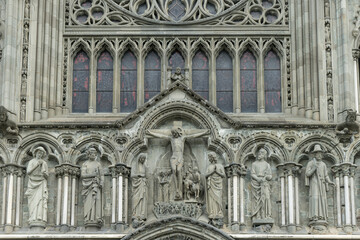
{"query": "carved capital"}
{"type": "Point", "coordinates": [13, 169]}
{"type": "Point", "coordinates": [235, 169]}
{"type": "Point", "coordinates": [289, 169]}
{"type": "Point", "coordinates": [67, 170]}
{"type": "Point", "coordinates": [120, 170]}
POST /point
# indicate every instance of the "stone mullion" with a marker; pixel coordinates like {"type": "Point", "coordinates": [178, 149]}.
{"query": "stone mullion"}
{"type": "Point", "coordinates": [140, 77]}
{"type": "Point", "coordinates": [164, 68]}
{"type": "Point", "coordinates": [92, 84]}
{"type": "Point", "coordinates": [20, 181]}
{"type": "Point", "coordinates": [116, 79]}
{"type": "Point", "coordinates": [114, 194]}
{"type": "Point", "coordinates": [236, 82]}
{"type": "Point", "coordinates": [282, 196]}
{"type": "Point", "coordinates": [261, 83]}
{"type": "Point", "coordinates": [352, 197]}
{"type": "Point", "coordinates": [3, 216]}
{"type": "Point", "coordinates": [59, 197]}
{"type": "Point", "coordinates": [212, 87]}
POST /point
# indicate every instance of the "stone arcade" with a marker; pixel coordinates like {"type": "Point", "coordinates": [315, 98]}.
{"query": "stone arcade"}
{"type": "Point", "coordinates": [179, 119]}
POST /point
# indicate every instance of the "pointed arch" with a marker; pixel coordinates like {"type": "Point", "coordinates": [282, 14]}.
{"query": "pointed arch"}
{"type": "Point", "coordinates": [176, 59]}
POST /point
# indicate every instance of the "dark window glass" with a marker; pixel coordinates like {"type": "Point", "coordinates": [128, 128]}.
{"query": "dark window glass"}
{"type": "Point", "coordinates": [81, 75]}
{"type": "Point", "coordinates": [200, 74]}
{"type": "Point", "coordinates": [104, 83]}
{"type": "Point", "coordinates": [128, 82]}
{"type": "Point", "coordinates": [176, 60]}
{"type": "Point", "coordinates": [272, 77]}
{"type": "Point", "coordinates": [152, 78]}
{"type": "Point", "coordinates": [248, 82]}
{"type": "Point", "coordinates": [224, 82]}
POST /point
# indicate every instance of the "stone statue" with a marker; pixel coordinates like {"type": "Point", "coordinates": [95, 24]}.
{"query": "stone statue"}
{"type": "Point", "coordinates": [192, 183]}
{"type": "Point", "coordinates": [260, 186]}
{"type": "Point", "coordinates": [177, 75]}
{"type": "Point", "coordinates": [214, 181]}
{"type": "Point", "coordinates": [7, 126]}
{"type": "Point", "coordinates": [317, 178]}
{"type": "Point", "coordinates": [164, 180]}
{"type": "Point", "coordinates": [37, 191]}
{"type": "Point", "coordinates": [92, 181]}
{"type": "Point", "coordinates": [177, 136]}
{"type": "Point", "coordinates": [139, 192]}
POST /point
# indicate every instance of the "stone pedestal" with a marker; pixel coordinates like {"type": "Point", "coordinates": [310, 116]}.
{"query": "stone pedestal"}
{"type": "Point", "coordinates": [319, 226]}
{"type": "Point", "coordinates": [263, 225]}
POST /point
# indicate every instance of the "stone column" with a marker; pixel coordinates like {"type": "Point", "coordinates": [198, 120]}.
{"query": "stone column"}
{"type": "Point", "coordinates": [289, 171]}
{"type": "Point", "coordinates": [12, 180]}
{"type": "Point", "coordinates": [356, 57]}
{"type": "Point", "coordinates": [119, 213]}
{"type": "Point", "coordinates": [67, 175]}
{"type": "Point", "coordinates": [352, 197]}
{"type": "Point", "coordinates": [235, 173]}
{"type": "Point", "coordinates": [336, 172]}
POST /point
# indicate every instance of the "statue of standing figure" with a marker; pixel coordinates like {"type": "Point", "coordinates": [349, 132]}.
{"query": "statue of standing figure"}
{"type": "Point", "coordinates": [317, 178]}
{"type": "Point", "coordinates": [139, 192]}
{"type": "Point", "coordinates": [37, 191]}
{"type": "Point", "coordinates": [215, 173]}
{"type": "Point", "coordinates": [92, 181]}
{"type": "Point", "coordinates": [260, 186]}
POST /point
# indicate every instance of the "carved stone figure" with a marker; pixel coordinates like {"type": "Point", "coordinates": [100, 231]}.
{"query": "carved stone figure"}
{"type": "Point", "coordinates": [192, 183]}
{"type": "Point", "coordinates": [7, 126]}
{"type": "Point", "coordinates": [139, 192]}
{"type": "Point", "coordinates": [317, 178]}
{"type": "Point", "coordinates": [177, 75]}
{"type": "Point", "coordinates": [37, 191]}
{"type": "Point", "coordinates": [92, 181]}
{"type": "Point", "coordinates": [214, 180]}
{"type": "Point", "coordinates": [177, 136]}
{"type": "Point", "coordinates": [260, 186]}
{"type": "Point", "coordinates": [164, 180]}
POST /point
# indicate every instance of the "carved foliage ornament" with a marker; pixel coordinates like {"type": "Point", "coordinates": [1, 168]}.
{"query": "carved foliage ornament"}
{"type": "Point", "coordinates": [147, 12]}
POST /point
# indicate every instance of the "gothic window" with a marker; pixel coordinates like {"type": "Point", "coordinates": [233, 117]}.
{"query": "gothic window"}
{"type": "Point", "coordinates": [81, 74]}
{"type": "Point", "coordinates": [176, 60]}
{"type": "Point", "coordinates": [152, 76]}
{"type": "Point", "coordinates": [272, 82]}
{"type": "Point", "coordinates": [224, 82]}
{"type": "Point", "coordinates": [104, 83]}
{"type": "Point", "coordinates": [200, 74]}
{"type": "Point", "coordinates": [128, 82]}
{"type": "Point", "coordinates": [248, 82]}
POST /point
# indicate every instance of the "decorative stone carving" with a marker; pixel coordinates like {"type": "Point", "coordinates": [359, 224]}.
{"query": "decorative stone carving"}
{"type": "Point", "coordinates": [164, 180]}
{"type": "Point", "coordinates": [177, 136]}
{"type": "Point", "coordinates": [139, 193]}
{"type": "Point", "coordinates": [317, 178]}
{"type": "Point", "coordinates": [191, 210]}
{"type": "Point", "coordinates": [261, 176]}
{"type": "Point", "coordinates": [92, 181]}
{"type": "Point", "coordinates": [192, 184]}
{"type": "Point", "coordinates": [7, 126]}
{"type": "Point", "coordinates": [37, 190]}
{"type": "Point", "coordinates": [346, 130]}
{"type": "Point", "coordinates": [215, 173]}
{"type": "Point", "coordinates": [178, 76]}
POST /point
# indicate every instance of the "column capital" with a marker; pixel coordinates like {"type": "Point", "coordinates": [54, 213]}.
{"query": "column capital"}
{"type": "Point", "coordinates": [289, 169]}
{"type": "Point", "coordinates": [13, 169]}
{"type": "Point", "coordinates": [344, 169]}
{"type": "Point", "coordinates": [235, 169]}
{"type": "Point", "coordinates": [120, 169]}
{"type": "Point", "coordinates": [67, 169]}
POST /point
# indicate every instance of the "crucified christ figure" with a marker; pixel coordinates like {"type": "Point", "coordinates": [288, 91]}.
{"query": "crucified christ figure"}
{"type": "Point", "coordinates": [177, 136]}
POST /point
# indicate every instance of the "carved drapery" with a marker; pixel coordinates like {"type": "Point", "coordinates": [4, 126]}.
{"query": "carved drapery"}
{"type": "Point", "coordinates": [120, 174]}
{"type": "Point", "coordinates": [235, 174]}
{"type": "Point", "coordinates": [13, 178]}
{"type": "Point", "coordinates": [67, 177]}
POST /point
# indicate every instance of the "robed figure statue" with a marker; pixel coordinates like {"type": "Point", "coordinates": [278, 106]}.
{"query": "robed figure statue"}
{"type": "Point", "coordinates": [92, 182]}
{"type": "Point", "coordinates": [317, 178]}
{"type": "Point", "coordinates": [37, 191]}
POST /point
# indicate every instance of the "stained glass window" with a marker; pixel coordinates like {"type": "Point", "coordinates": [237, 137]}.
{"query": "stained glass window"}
{"type": "Point", "coordinates": [272, 77]}
{"type": "Point", "coordinates": [200, 74]}
{"type": "Point", "coordinates": [176, 60]}
{"type": "Point", "coordinates": [81, 75]}
{"type": "Point", "coordinates": [104, 83]}
{"type": "Point", "coordinates": [248, 82]}
{"type": "Point", "coordinates": [152, 78]}
{"type": "Point", "coordinates": [128, 82]}
{"type": "Point", "coordinates": [224, 82]}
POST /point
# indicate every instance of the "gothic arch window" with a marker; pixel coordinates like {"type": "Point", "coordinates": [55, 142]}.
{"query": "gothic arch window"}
{"type": "Point", "coordinates": [200, 74]}
{"type": "Point", "coordinates": [128, 82]}
{"type": "Point", "coordinates": [176, 59]}
{"type": "Point", "coordinates": [272, 82]}
{"type": "Point", "coordinates": [104, 83]}
{"type": "Point", "coordinates": [224, 81]}
{"type": "Point", "coordinates": [81, 76]}
{"type": "Point", "coordinates": [248, 82]}
{"type": "Point", "coordinates": [152, 75]}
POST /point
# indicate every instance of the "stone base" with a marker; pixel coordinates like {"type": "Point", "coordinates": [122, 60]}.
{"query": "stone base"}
{"type": "Point", "coordinates": [348, 229]}
{"type": "Point", "coordinates": [318, 226]}
{"type": "Point", "coordinates": [37, 225]}
{"type": "Point", "coordinates": [8, 229]}
{"type": "Point", "coordinates": [92, 227]}
{"type": "Point", "coordinates": [291, 228]}
{"type": "Point", "coordinates": [120, 227]}
{"type": "Point", "coordinates": [263, 225]}
{"type": "Point", "coordinates": [235, 227]}
{"type": "Point", "coordinates": [64, 228]}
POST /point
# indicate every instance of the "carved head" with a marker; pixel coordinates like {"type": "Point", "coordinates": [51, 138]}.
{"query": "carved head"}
{"type": "Point", "coordinates": [351, 117]}
{"type": "Point", "coordinates": [142, 158]}
{"type": "Point", "coordinates": [178, 70]}
{"type": "Point", "coordinates": [3, 114]}
{"type": "Point", "coordinates": [91, 153]}
{"type": "Point", "coordinates": [318, 152]}
{"type": "Point", "coordinates": [262, 154]}
{"type": "Point", "coordinates": [212, 158]}
{"type": "Point", "coordinates": [177, 132]}
{"type": "Point", "coordinates": [39, 152]}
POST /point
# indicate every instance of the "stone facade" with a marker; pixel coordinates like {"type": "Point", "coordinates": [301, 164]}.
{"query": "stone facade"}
{"type": "Point", "coordinates": [166, 138]}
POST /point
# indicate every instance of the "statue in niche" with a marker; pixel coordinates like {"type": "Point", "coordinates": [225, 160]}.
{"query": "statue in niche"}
{"type": "Point", "coordinates": [37, 191]}
{"type": "Point", "coordinates": [139, 192]}
{"type": "Point", "coordinates": [177, 136]}
{"type": "Point", "coordinates": [214, 181]}
{"type": "Point", "coordinates": [92, 181]}
{"type": "Point", "coordinates": [260, 186]}
{"type": "Point", "coordinates": [317, 178]}
{"type": "Point", "coordinates": [192, 184]}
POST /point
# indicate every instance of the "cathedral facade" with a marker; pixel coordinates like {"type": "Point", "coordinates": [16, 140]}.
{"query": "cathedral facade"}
{"type": "Point", "coordinates": [179, 119]}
